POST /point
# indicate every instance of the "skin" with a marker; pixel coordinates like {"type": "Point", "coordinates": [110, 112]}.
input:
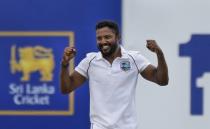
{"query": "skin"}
{"type": "Point", "coordinates": [157, 74]}
{"type": "Point", "coordinates": [106, 36]}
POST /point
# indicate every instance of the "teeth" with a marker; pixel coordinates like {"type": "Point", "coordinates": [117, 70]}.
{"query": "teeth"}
{"type": "Point", "coordinates": [105, 47]}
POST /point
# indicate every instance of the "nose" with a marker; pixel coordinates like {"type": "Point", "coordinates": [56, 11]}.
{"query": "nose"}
{"type": "Point", "coordinates": [103, 41]}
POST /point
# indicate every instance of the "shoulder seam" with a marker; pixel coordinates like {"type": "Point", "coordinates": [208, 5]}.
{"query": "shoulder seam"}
{"type": "Point", "coordinates": [134, 62]}
{"type": "Point", "coordinates": [89, 65]}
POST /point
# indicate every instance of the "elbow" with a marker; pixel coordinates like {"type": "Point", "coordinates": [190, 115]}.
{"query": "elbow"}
{"type": "Point", "coordinates": [163, 82]}
{"type": "Point", "coordinates": [65, 91]}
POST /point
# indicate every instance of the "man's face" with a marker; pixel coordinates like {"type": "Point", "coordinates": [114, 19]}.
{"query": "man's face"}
{"type": "Point", "coordinates": [107, 41]}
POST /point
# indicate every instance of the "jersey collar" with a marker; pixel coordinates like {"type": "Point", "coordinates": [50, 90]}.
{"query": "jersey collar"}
{"type": "Point", "coordinates": [123, 52]}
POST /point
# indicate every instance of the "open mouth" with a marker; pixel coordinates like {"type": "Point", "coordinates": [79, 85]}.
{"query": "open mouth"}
{"type": "Point", "coordinates": [106, 48]}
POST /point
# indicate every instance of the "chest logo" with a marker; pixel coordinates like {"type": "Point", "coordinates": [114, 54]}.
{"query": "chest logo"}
{"type": "Point", "coordinates": [125, 65]}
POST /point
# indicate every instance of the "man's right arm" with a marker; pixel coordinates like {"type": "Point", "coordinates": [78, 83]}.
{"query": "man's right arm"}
{"type": "Point", "coordinates": [69, 82]}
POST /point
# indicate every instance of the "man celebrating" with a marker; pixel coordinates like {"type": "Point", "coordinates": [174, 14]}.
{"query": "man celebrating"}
{"type": "Point", "coordinates": [112, 74]}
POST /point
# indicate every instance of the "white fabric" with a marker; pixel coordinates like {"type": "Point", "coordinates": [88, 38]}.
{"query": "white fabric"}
{"type": "Point", "coordinates": [112, 89]}
{"type": "Point", "coordinates": [95, 126]}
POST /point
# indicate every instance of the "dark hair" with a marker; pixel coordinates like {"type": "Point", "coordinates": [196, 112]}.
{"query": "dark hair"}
{"type": "Point", "coordinates": [110, 24]}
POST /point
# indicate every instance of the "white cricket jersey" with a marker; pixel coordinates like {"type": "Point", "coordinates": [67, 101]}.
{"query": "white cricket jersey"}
{"type": "Point", "coordinates": [112, 88]}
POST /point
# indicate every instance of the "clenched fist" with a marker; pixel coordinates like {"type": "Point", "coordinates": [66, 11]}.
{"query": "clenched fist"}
{"type": "Point", "coordinates": [152, 46]}
{"type": "Point", "coordinates": [69, 53]}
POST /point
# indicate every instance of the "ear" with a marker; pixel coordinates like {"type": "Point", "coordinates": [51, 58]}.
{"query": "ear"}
{"type": "Point", "coordinates": [118, 37]}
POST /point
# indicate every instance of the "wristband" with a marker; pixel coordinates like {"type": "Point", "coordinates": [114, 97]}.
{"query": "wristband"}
{"type": "Point", "coordinates": [64, 65]}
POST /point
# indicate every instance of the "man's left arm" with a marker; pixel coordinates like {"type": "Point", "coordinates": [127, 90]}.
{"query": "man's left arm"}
{"type": "Point", "coordinates": [157, 74]}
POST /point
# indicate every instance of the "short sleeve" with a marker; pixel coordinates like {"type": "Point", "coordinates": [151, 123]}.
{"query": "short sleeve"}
{"type": "Point", "coordinates": [141, 61]}
{"type": "Point", "coordinates": [83, 66]}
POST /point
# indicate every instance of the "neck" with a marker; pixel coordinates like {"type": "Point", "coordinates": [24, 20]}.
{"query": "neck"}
{"type": "Point", "coordinates": [116, 54]}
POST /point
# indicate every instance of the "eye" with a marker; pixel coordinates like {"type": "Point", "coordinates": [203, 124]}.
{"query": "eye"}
{"type": "Point", "coordinates": [107, 36]}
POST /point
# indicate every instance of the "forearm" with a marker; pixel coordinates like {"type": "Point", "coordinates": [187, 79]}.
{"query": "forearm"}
{"type": "Point", "coordinates": [65, 81]}
{"type": "Point", "coordinates": [162, 69]}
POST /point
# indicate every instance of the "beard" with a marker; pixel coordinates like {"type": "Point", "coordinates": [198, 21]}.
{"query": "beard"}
{"type": "Point", "coordinates": [107, 49]}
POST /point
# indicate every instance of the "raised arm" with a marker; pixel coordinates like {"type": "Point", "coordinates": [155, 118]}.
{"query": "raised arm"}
{"type": "Point", "coordinates": [157, 74]}
{"type": "Point", "coordinates": [69, 83]}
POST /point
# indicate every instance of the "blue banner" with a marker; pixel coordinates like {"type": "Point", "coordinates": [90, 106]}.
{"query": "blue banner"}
{"type": "Point", "coordinates": [33, 35]}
